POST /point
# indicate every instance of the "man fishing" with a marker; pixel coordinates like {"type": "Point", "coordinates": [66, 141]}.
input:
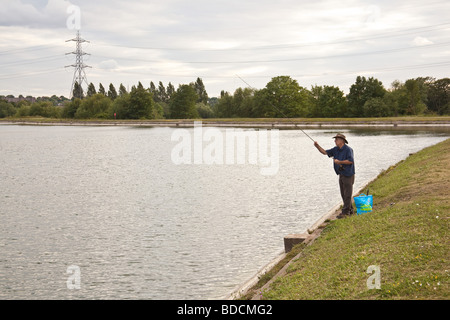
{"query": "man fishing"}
{"type": "Point", "coordinates": [344, 166]}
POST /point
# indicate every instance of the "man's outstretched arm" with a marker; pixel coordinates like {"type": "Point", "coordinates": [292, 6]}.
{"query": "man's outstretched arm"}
{"type": "Point", "coordinates": [321, 150]}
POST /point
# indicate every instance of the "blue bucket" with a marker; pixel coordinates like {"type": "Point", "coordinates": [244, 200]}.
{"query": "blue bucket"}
{"type": "Point", "coordinates": [363, 203]}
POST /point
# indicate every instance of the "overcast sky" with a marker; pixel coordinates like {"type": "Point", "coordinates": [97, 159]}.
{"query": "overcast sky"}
{"type": "Point", "coordinates": [314, 42]}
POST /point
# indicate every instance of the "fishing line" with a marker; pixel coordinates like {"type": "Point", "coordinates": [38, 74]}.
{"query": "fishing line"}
{"type": "Point", "coordinates": [253, 88]}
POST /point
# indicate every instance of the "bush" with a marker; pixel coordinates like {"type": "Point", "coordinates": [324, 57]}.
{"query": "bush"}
{"type": "Point", "coordinates": [71, 108]}
{"type": "Point", "coordinates": [93, 107]}
{"type": "Point", "coordinates": [120, 107]}
{"type": "Point", "coordinates": [23, 111]}
{"type": "Point", "coordinates": [160, 109]}
{"type": "Point", "coordinates": [6, 109]}
{"type": "Point", "coordinates": [204, 110]}
{"type": "Point", "coordinates": [376, 107]}
{"type": "Point", "coordinates": [42, 109]}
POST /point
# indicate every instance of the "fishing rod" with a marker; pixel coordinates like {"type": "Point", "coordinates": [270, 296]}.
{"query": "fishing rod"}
{"type": "Point", "coordinates": [273, 106]}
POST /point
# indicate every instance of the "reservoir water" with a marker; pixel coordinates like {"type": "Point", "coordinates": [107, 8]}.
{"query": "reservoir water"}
{"type": "Point", "coordinates": [111, 202]}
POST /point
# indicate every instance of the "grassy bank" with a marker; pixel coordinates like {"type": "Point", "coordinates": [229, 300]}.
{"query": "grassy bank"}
{"type": "Point", "coordinates": [406, 235]}
{"type": "Point", "coordinates": [298, 121]}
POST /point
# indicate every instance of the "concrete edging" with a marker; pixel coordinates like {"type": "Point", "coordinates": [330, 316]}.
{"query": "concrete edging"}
{"type": "Point", "coordinates": [242, 289]}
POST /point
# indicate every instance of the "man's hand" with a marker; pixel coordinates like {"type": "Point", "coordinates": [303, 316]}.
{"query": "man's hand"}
{"type": "Point", "coordinates": [321, 150]}
{"type": "Point", "coordinates": [346, 162]}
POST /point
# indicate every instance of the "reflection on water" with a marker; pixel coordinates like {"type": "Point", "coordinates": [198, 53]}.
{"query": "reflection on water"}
{"type": "Point", "coordinates": [110, 201]}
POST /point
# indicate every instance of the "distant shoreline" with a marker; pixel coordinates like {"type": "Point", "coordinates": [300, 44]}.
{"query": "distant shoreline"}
{"type": "Point", "coordinates": [249, 123]}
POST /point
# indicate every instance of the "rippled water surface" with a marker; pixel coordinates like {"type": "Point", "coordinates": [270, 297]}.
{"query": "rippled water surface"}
{"type": "Point", "coordinates": [111, 201]}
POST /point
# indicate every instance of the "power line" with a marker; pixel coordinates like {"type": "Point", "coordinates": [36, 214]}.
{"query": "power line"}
{"type": "Point", "coordinates": [27, 49]}
{"type": "Point", "coordinates": [385, 51]}
{"type": "Point", "coordinates": [29, 74]}
{"type": "Point", "coordinates": [388, 69]}
{"type": "Point", "coordinates": [390, 34]}
{"type": "Point", "coordinates": [203, 76]}
{"type": "Point", "coordinates": [31, 61]}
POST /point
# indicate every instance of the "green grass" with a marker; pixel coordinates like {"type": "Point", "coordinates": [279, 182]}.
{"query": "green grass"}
{"type": "Point", "coordinates": [406, 235]}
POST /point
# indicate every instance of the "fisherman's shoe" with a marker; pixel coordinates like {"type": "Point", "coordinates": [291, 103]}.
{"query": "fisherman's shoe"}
{"type": "Point", "coordinates": [343, 215]}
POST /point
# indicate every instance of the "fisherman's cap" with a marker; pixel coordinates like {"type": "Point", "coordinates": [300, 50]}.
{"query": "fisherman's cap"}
{"type": "Point", "coordinates": [340, 135]}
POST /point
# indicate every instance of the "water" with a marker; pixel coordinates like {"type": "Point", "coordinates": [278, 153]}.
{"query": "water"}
{"type": "Point", "coordinates": [110, 201]}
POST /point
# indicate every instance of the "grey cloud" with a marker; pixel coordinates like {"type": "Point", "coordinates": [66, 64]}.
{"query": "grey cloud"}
{"type": "Point", "coordinates": [34, 14]}
{"type": "Point", "coordinates": [326, 42]}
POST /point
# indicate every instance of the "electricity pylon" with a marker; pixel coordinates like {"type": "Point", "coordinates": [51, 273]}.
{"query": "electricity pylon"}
{"type": "Point", "coordinates": [79, 76]}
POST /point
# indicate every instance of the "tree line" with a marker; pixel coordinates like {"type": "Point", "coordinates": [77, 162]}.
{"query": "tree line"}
{"type": "Point", "coordinates": [282, 97]}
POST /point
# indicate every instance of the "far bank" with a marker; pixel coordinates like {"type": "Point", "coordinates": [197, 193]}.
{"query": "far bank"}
{"type": "Point", "coordinates": [279, 123]}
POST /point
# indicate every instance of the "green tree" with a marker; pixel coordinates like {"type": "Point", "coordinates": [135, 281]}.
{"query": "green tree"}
{"type": "Point", "coordinates": [36, 109]}
{"type": "Point", "coordinates": [201, 91]}
{"type": "Point", "coordinates": [439, 96]}
{"type": "Point", "coordinates": [91, 90]}
{"type": "Point", "coordinates": [94, 107]}
{"type": "Point", "coordinates": [152, 89]}
{"type": "Point", "coordinates": [182, 104]}
{"type": "Point", "coordinates": [416, 93]}
{"type": "Point", "coordinates": [170, 91]}
{"type": "Point", "coordinates": [140, 103]}
{"type": "Point", "coordinates": [6, 109]}
{"type": "Point", "coordinates": [77, 91]}
{"type": "Point", "coordinates": [376, 107]}
{"type": "Point", "coordinates": [23, 111]}
{"type": "Point", "coordinates": [204, 110]}
{"type": "Point", "coordinates": [163, 110]}
{"type": "Point", "coordinates": [243, 102]}
{"type": "Point", "coordinates": [161, 93]}
{"type": "Point", "coordinates": [399, 98]}
{"type": "Point", "coordinates": [101, 89]}
{"type": "Point", "coordinates": [362, 91]}
{"type": "Point", "coordinates": [122, 90]}
{"type": "Point", "coordinates": [112, 93]}
{"type": "Point", "coordinates": [120, 106]}
{"type": "Point", "coordinates": [45, 109]}
{"type": "Point", "coordinates": [328, 102]}
{"type": "Point", "coordinates": [160, 110]}
{"type": "Point", "coordinates": [225, 106]}
{"type": "Point", "coordinates": [71, 108]}
{"type": "Point", "coordinates": [283, 97]}
{"type": "Point", "coordinates": [391, 102]}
